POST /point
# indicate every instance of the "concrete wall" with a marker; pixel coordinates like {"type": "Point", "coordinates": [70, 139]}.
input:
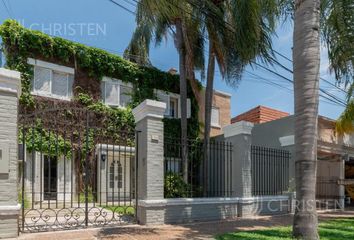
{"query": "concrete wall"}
{"type": "Point", "coordinates": [186, 210]}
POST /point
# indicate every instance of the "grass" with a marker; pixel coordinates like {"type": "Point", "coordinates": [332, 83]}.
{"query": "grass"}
{"type": "Point", "coordinates": [125, 210]}
{"type": "Point", "coordinates": [339, 229]}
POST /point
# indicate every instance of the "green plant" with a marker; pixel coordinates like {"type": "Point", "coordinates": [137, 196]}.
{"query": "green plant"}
{"type": "Point", "coordinates": [175, 187]}
{"type": "Point", "coordinates": [21, 43]}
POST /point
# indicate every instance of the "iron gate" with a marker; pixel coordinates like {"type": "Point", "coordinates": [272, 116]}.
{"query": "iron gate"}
{"type": "Point", "coordinates": [78, 170]}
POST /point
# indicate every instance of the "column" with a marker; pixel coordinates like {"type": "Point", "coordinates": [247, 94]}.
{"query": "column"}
{"type": "Point", "coordinates": [10, 90]}
{"type": "Point", "coordinates": [150, 156]}
{"type": "Point", "coordinates": [240, 136]}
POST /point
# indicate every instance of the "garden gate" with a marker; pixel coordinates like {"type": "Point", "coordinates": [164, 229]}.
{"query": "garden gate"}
{"type": "Point", "coordinates": [77, 170]}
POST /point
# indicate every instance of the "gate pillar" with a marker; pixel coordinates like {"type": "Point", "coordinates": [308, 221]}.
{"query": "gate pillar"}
{"type": "Point", "coordinates": [150, 160]}
{"type": "Point", "coordinates": [10, 90]}
{"type": "Point", "coordinates": [240, 135]}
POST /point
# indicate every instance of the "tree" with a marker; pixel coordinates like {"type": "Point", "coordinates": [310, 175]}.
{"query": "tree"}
{"type": "Point", "coordinates": [338, 33]}
{"type": "Point", "coordinates": [155, 18]}
{"type": "Point", "coordinates": [306, 65]}
{"type": "Point", "coordinates": [238, 33]}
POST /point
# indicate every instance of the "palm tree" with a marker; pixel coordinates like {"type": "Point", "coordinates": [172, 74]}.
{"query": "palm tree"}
{"type": "Point", "coordinates": [335, 20]}
{"type": "Point", "coordinates": [306, 64]}
{"type": "Point", "coordinates": [238, 33]}
{"type": "Point", "coordinates": [339, 36]}
{"type": "Point", "coordinates": [155, 18]}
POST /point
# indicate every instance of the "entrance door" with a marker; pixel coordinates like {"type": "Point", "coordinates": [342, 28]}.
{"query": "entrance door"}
{"type": "Point", "coordinates": [50, 178]}
{"type": "Point", "coordinates": [119, 179]}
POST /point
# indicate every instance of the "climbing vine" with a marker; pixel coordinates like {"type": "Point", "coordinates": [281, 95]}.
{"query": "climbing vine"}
{"type": "Point", "coordinates": [93, 64]}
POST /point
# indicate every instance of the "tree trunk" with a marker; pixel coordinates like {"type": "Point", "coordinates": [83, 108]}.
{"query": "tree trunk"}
{"type": "Point", "coordinates": [183, 95]}
{"type": "Point", "coordinates": [306, 56]}
{"type": "Point", "coordinates": [207, 113]}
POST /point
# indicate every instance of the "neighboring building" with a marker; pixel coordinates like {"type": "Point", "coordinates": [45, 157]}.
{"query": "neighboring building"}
{"type": "Point", "coordinates": [220, 113]}
{"type": "Point", "coordinates": [260, 114]}
{"type": "Point", "coordinates": [335, 152]}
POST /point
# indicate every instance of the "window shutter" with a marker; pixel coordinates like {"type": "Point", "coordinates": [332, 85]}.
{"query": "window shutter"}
{"type": "Point", "coordinates": [41, 81]}
{"type": "Point", "coordinates": [179, 107]}
{"type": "Point", "coordinates": [60, 84]}
{"type": "Point", "coordinates": [215, 117]}
{"type": "Point", "coordinates": [188, 107]}
{"type": "Point", "coordinates": [163, 97]}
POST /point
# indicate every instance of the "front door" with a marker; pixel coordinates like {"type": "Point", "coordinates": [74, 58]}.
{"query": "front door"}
{"type": "Point", "coordinates": [119, 178]}
{"type": "Point", "coordinates": [50, 178]}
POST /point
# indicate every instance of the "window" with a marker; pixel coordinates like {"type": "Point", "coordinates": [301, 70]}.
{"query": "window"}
{"type": "Point", "coordinates": [51, 80]}
{"type": "Point", "coordinates": [115, 93]}
{"type": "Point", "coordinates": [173, 111]}
{"type": "Point", "coordinates": [173, 104]}
{"type": "Point", "coordinates": [215, 117]}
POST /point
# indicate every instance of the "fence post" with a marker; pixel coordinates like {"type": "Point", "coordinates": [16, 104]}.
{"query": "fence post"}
{"type": "Point", "coordinates": [240, 136]}
{"type": "Point", "coordinates": [10, 90]}
{"type": "Point", "coordinates": [148, 117]}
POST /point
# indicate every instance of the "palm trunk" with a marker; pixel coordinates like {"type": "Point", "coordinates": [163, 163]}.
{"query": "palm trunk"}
{"type": "Point", "coordinates": [183, 94]}
{"type": "Point", "coordinates": [207, 113]}
{"type": "Point", "coordinates": [306, 55]}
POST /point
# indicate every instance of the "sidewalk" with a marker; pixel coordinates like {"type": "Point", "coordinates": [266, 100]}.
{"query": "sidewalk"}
{"type": "Point", "coordinates": [188, 231]}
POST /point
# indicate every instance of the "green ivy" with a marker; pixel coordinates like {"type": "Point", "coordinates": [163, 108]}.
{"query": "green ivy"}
{"type": "Point", "coordinates": [21, 43]}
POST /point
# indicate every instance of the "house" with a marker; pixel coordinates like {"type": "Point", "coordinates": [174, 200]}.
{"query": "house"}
{"type": "Point", "coordinates": [63, 75]}
{"type": "Point", "coordinates": [275, 129]}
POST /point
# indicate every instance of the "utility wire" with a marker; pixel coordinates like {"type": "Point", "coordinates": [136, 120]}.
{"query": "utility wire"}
{"type": "Point", "coordinates": [6, 8]}
{"type": "Point", "coordinates": [121, 6]}
{"type": "Point", "coordinates": [336, 100]}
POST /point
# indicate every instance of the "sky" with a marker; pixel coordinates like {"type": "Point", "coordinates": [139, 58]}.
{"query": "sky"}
{"type": "Point", "coordinates": [105, 25]}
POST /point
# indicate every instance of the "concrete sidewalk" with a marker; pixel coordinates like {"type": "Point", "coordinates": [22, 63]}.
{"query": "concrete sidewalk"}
{"type": "Point", "coordinates": [188, 231]}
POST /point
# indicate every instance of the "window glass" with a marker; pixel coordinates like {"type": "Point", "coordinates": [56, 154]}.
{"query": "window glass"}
{"type": "Point", "coordinates": [173, 107]}
{"type": "Point", "coordinates": [120, 175]}
{"type": "Point", "coordinates": [60, 84]}
{"type": "Point", "coordinates": [70, 85]}
{"type": "Point", "coordinates": [112, 93]}
{"type": "Point", "coordinates": [111, 176]}
{"type": "Point", "coordinates": [42, 79]}
{"type": "Point", "coordinates": [125, 96]}
{"type": "Point", "coordinates": [215, 117]}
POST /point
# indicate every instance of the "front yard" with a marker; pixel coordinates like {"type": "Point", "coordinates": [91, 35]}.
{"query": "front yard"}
{"type": "Point", "coordinates": [339, 229]}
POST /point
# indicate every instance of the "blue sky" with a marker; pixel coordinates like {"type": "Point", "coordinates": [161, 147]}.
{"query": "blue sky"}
{"type": "Point", "coordinates": [102, 24]}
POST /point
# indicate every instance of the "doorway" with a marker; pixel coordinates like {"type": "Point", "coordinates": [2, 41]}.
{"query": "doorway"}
{"type": "Point", "coordinates": [50, 173]}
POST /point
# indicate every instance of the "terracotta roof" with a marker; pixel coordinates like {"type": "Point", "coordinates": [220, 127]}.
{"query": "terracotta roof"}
{"type": "Point", "coordinates": [260, 114]}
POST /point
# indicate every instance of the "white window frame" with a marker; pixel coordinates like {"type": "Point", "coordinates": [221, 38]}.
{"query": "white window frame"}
{"type": "Point", "coordinates": [53, 68]}
{"type": "Point", "coordinates": [176, 96]}
{"type": "Point", "coordinates": [215, 125]}
{"type": "Point", "coordinates": [119, 83]}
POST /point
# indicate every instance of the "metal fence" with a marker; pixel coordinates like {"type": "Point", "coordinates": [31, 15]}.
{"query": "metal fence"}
{"type": "Point", "coordinates": [208, 175]}
{"type": "Point", "coordinates": [76, 172]}
{"type": "Point", "coordinates": [270, 171]}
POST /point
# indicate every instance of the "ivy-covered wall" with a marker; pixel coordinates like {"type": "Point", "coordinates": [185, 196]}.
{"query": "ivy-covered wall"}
{"type": "Point", "coordinates": [90, 65]}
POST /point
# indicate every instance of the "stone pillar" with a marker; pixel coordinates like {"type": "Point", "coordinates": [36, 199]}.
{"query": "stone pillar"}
{"type": "Point", "coordinates": [10, 90]}
{"type": "Point", "coordinates": [239, 135]}
{"type": "Point", "coordinates": [150, 150]}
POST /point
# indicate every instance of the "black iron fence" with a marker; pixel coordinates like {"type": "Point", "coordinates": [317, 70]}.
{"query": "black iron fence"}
{"type": "Point", "coordinates": [75, 172]}
{"type": "Point", "coordinates": [208, 172]}
{"type": "Point", "coordinates": [270, 171]}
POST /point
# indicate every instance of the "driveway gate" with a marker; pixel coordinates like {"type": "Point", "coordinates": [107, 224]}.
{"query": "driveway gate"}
{"type": "Point", "coordinates": [77, 170]}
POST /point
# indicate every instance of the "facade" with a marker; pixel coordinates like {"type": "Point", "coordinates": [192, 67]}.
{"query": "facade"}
{"type": "Point", "coordinates": [334, 151]}
{"type": "Point", "coordinates": [57, 83]}
{"type": "Point", "coordinates": [221, 111]}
